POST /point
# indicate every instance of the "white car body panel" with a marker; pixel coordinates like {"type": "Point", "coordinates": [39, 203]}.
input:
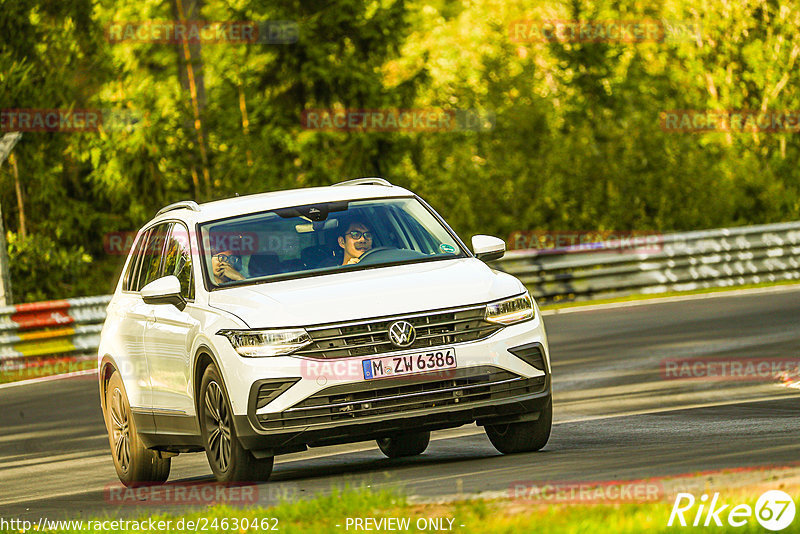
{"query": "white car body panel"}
{"type": "Point", "coordinates": [155, 347]}
{"type": "Point", "coordinates": [352, 296]}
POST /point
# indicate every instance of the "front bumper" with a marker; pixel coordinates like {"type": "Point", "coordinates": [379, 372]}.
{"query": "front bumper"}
{"type": "Point", "coordinates": [367, 410]}
{"type": "Point", "coordinates": [503, 378]}
{"type": "Point", "coordinates": [429, 420]}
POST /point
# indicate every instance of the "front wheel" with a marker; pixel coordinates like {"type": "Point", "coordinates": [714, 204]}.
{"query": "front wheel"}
{"type": "Point", "coordinates": [527, 436]}
{"type": "Point", "coordinates": [135, 464]}
{"type": "Point", "coordinates": [229, 461]}
{"type": "Point", "coordinates": [410, 444]}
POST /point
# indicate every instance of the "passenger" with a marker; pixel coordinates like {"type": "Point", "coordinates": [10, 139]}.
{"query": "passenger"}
{"type": "Point", "coordinates": [225, 265]}
{"type": "Point", "coordinates": [355, 241]}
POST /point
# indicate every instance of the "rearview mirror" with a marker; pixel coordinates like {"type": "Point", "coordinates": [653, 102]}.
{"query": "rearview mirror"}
{"type": "Point", "coordinates": [488, 248]}
{"type": "Point", "coordinates": [165, 290]}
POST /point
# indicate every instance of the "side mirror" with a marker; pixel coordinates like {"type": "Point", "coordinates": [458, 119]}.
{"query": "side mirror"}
{"type": "Point", "coordinates": [165, 290]}
{"type": "Point", "coordinates": [488, 248]}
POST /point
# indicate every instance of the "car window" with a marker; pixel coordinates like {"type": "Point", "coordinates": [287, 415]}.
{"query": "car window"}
{"type": "Point", "coordinates": [151, 256]}
{"type": "Point", "coordinates": [422, 239]}
{"type": "Point", "coordinates": [178, 259]}
{"type": "Point", "coordinates": [312, 238]}
{"type": "Point", "coordinates": [136, 256]}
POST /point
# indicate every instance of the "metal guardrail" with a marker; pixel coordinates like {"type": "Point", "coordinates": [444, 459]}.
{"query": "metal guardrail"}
{"type": "Point", "coordinates": [56, 328]}
{"type": "Point", "coordinates": [673, 262]}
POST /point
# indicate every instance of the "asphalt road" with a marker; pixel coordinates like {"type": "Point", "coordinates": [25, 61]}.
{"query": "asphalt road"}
{"type": "Point", "coordinates": [617, 417]}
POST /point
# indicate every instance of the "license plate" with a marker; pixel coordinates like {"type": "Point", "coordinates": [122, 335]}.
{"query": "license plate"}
{"type": "Point", "coordinates": [406, 364]}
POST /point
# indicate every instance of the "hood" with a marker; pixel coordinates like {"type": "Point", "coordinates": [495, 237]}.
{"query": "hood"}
{"type": "Point", "coordinates": [357, 295]}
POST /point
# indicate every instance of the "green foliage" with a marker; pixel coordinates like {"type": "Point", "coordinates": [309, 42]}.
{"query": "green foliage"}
{"type": "Point", "coordinates": [576, 143]}
{"type": "Point", "coordinates": [43, 269]}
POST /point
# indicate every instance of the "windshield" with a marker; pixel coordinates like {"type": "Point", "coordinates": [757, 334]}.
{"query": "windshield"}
{"type": "Point", "coordinates": [327, 237]}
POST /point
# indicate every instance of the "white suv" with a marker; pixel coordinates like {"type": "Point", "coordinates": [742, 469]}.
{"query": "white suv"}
{"type": "Point", "coordinates": [265, 324]}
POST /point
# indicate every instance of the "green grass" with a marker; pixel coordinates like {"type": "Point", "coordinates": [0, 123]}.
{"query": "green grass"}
{"type": "Point", "coordinates": [630, 298]}
{"type": "Point", "coordinates": [322, 515]}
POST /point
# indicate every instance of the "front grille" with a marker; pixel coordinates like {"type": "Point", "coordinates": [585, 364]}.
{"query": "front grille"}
{"type": "Point", "coordinates": [372, 337]}
{"type": "Point", "coordinates": [351, 402]}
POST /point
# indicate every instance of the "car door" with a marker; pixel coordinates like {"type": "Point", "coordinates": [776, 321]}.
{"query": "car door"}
{"type": "Point", "coordinates": [138, 316]}
{"type": "Point", "coordinates": [168, 340]}
{"type": "Point", "coordinates": [131, 315]}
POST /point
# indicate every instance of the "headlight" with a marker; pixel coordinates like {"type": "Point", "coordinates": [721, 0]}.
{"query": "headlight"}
{"type": "Point", "coordinates": [510, 311]}
{"type": "Point", "coordinates": [263, 343]}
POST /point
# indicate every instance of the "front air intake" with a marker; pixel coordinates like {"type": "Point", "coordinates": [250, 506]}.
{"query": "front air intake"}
{"type": "Point", "coordinates": [532, 354]}
{"type": "Point", "coordinates": [268, 390]}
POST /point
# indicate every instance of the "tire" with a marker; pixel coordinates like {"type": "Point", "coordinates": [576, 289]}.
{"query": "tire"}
{"type": "Point", "coordinates": [527, 436]}
{"type": "Point", "coordinates": [135, 464]}
{"type": "Point", "coordinates": [401, 445]}
{"type": "Point", "coordinates": [229, 461]}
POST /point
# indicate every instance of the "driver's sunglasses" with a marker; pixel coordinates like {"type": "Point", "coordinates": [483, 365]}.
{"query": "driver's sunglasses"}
{"type": "Point", "coordinates": [355, 234]}
{"type": "Point", "coordinates": [226, 258]}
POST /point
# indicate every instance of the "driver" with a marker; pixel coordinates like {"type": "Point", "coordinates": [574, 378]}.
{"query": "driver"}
{"type": "Point", "coordinates": [355, 241]}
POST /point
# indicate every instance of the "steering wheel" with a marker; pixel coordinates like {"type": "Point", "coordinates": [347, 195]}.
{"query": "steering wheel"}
{"type": "Point", "coordinates": [371, 251]}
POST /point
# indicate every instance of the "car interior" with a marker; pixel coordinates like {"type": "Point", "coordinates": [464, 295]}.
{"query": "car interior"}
{"type": "Point", "coordinates": [295, 243]}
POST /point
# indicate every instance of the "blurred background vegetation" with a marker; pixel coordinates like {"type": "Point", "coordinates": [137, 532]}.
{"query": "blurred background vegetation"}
{"type": "Point", "coordinates": [577, 143]}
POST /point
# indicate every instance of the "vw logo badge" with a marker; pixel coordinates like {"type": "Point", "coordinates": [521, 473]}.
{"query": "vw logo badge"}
{"type": "Point", "coordinates": [402, 333]}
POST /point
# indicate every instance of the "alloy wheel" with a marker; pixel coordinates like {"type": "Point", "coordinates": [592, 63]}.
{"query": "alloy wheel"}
{"type": "Point", "coordinates": [121, 431]}
{"type": "Point", "coordinates": [218, 425]}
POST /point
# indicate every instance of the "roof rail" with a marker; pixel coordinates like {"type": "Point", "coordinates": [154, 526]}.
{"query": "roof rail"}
{"type": "Point", "coordinates": [366, 181]}
{"type": "Point", "coordinates": [183, 204]}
